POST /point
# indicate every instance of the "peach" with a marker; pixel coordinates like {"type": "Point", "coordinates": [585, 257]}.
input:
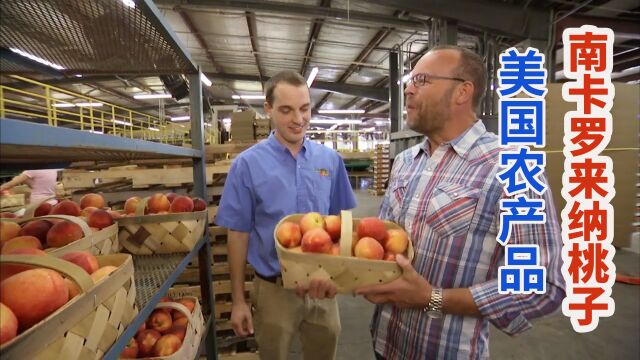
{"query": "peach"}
{"type": "Point", "coordinates": [114, 214]}
{"type": "Point", "coordinates": [369, 248]}
{"type": "Point", "coordinates": [43, 209]}
{"type": "Point", "coordinates": [130, 351]}
{"type": "Point", "coordinates": [100, 219]}
{"type": "Point", "coordinates": [317, 241]}
{"type": "Point", "coordinates": [8, 269]}
{"type": "Point", "coordinates": [146, 339]}
{"type": "Point", "coordinates": [332, 224]}
{"type": "Point", "coordinates": [199, 204]}
{"type": "Point", "coordinates": [171, 196]}
{"type": "Point", "coordinates": [8, 230]}
{"type": "Point", "coordinates": [92, 200]}
{"type": "Point", "coordinates": [21, 242]}
{"type": "Point", "coordinates": [335, 249]}
{"type": "Point", "coordinates": [8, 215]}
{"type": "Point", "coordinates": [397, 241]}
{"type": "Point", "coordinates": [354, 241]}
{"type": "Point", "coordinates": [37, 228]}
{"type": "Point", "coordinates": [188, 303]}
{"type": "Point", "coordinates": [102, 273]}
{"type": "Point", "coordinates": [87, 211]}
{"type": "Point", "coordinates": [312, 220]}
{"type": "Point", "coordinates": [389, 257]}
{"type": "Point", "coordinates": [142, 327]}
{"type": "Point", "coordinates": [183, 321]}
{"type": "Point", "coordinates": [66, 207]}
{"type": "Point", "coordinates": [181, 204]}
{"type": "Point", "coordinates": [74, 289]}
{"type": "Point", "coordinates": [160, 320]}
{"type": "Point", "coordinates": [178, 330]}
{"type": "Point", "coordinates": [372, 227]}
{"type": "Point", "coordinates": [167, 345]}
{"type": "Point", "coordinates": [158, 202]}
{"type": "Point", "coordinates": [33, 294]}
{"type": "Point", "coordinates": [131, 204]}
{"type": "Point", "coordinates": [84, 259]}
{"type": "Point", "coordinates": [8, 324]}
{"type": "Point", "coordinates": [288, 234]}
{"type": "Point", "coordinates": [64, 233]}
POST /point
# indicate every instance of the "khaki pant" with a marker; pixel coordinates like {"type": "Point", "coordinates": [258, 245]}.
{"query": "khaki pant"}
{"type": "Point", "coordinates": [279, 315]}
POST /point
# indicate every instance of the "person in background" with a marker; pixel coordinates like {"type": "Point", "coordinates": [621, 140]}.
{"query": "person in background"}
{"type": "Point", "coordinates": [282, 175]}
{"type": "Point", "coordinates": [41, 182]}
{"type": "Point", "coordinates": [444, 192]}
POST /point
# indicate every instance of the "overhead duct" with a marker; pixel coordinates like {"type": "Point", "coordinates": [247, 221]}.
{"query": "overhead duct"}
{"type": "Point", "coordinates": [176, 85]}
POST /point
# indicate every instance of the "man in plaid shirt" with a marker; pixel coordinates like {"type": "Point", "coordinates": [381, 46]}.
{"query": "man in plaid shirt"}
{"type": "Point", "coordinates": [444, 192]}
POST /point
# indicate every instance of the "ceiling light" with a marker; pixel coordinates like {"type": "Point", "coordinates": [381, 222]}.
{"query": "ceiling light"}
{"type": "Point", "coordinates": [248, 97]}
{"type": "Point", "coordinates": [335, 121]}
{"type": "Point", "coordinates": [37, 59]}
{"type": "Point", "coordinates": [312, 76]}
{"type": "Point", "coordinates": [205, 80]}
{"type": "Point", "coordinates": [64, 105]}
{"type": "Point", "coordinates": [340, 111]}
{"type": "Point", "coordinates": [154, 129]}
{"type": "Point", "coordinates": [96, 132]}
{"type": "Point", "coordinates": [129, 3]}
{"type": "Point", "coordinates": [180, 118]}
{"type": "Point", "coordinates": [122, 122]}
{"type": "Point", "coordinates": [90, 104]}
{"type": "Point", "coordinates": [151, 96]}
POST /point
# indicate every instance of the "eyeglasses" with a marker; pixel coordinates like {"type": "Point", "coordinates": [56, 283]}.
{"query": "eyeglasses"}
{"type": "Point", "coordinates": [420, 79]}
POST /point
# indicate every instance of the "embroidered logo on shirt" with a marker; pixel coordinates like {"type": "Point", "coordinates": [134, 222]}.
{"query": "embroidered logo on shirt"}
{"type": "Point", "coordinates": [323, 172]}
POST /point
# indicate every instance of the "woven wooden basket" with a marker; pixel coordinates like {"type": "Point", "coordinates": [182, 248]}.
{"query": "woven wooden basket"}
{"type": "Point", "coordinates": [346, 271]}
{"type": "Point", "coordinates": [86, 326]}
{"type": "Point", "coordinates": [161, 234]}
{"type": "Point", "coordinates": [193, 335]}
{"type": "Point", "coordinates": [102, 242]}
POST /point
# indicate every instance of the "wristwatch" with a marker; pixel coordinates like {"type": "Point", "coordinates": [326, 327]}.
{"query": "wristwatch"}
{"type": "Point", "coordinates": [434, 308]}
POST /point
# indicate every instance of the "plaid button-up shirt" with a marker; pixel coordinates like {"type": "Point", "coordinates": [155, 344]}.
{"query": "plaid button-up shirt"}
{"type": "Point", "coordinates": [448, 202]}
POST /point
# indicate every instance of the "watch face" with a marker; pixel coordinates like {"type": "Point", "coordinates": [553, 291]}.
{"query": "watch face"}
{"type": "Point", "coordinates": [434, 314]}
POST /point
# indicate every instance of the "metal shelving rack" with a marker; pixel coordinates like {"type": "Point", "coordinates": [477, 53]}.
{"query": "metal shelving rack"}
{"type": "Point", "coordinates": [144, 44]}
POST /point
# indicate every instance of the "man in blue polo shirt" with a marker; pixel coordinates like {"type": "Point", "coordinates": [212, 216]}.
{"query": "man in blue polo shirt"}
{"type": "Point", "coordinates": [283, 175]}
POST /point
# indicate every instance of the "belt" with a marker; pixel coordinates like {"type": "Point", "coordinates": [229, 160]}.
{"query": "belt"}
{"type": "Point", "coordinates": [271, 279]}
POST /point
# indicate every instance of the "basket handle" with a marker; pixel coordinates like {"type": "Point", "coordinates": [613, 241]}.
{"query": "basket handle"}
{"type": "Point", "coordinates": [177, 306]}
{"type": "Point", "coordinates": [75, 272]}
{"type": "Point", "coordinates": [30, 210]}
{"type": "Point", "coordinates": [74, 219]}
{"type": "Point", "coordinates": [346, 232]}
{"type": "Point", "coordinates": [141, 206]}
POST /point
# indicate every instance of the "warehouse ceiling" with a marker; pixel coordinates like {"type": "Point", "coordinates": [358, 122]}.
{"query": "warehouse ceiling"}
{"type": "Point", "coordinates": [240, 44]}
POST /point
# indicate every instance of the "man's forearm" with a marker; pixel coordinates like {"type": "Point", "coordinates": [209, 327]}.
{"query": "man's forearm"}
{"type": "Point", "coordinates": [237, 246]}
{"type": "Point", "coordinates": [459, 302]}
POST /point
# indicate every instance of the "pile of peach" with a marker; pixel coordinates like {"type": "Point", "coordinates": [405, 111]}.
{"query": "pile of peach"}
{"type": "Point", "coordinates": [53, 233]}
{"type": "Point", "coordinates": [165, 204]}
{"type": "Point", "coordinates": [317, 234]}
{"type": "Point", "coordinates": [29, 294]}
{"type": "Point", "coordinates": [162, 334]}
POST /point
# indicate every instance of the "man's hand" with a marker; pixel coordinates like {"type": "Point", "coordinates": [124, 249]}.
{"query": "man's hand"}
{"type": "Point", "coordinates": [318, 289]}
{"type": "Point", "coordinates": [241, 319]}
{"type": "Point", "coordinates": [408, 291]}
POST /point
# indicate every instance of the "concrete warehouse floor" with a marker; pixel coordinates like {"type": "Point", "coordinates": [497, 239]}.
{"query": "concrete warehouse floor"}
{"type": "Point", "coordinates": [617, 337]}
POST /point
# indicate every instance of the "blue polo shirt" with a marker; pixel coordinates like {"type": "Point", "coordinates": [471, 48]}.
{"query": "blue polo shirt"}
{"type": "Point", "coordinates": [266, 183]}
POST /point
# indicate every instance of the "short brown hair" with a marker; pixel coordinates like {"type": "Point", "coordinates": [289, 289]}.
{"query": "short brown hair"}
{"type": "Point", "coordinates": [470, 68]}
{"type": "Point", "coordinates": [287, 76]}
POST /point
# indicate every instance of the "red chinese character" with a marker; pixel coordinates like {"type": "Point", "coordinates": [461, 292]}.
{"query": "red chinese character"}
{"type": "Point", "coordinates": [576, 221]}
{"type": "Point", "coordinates": [575, 254]}
{"type": "Point", "coordinates": [594, 265]}
{"type": "Point", "coordinates": [588, 177]}
{"type": "Point", "coordinates": [587, 138]}
{"type": "Point", "coordinates": [588, 51]}
{"type": "Point", "coordinates": [595, 220]}
{"type": "Point", "coordinates": [592, 293]}
{"type": "Point", "coordinates": [589, 91]}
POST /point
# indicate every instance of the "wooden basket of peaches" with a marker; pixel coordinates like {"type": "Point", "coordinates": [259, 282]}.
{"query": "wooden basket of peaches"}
{"type": "Point", "coordinates": [162, 224]}
{"type": "Point", "coordinates": [64, 227]}
{"type": "Point", "coordinates": [350, 252]}
{"type": "Point", "coordinates": [69, 307]}
{"type": "Point", "coordinates": [172, 332]}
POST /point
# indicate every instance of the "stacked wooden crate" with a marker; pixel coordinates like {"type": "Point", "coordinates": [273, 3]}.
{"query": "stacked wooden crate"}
{"type": "Point", "coordinates": [242, 128]}
{"type": "Point", "coordinates": [380, 168]}
{"type": "Point", "coordinates": [262, 128]}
